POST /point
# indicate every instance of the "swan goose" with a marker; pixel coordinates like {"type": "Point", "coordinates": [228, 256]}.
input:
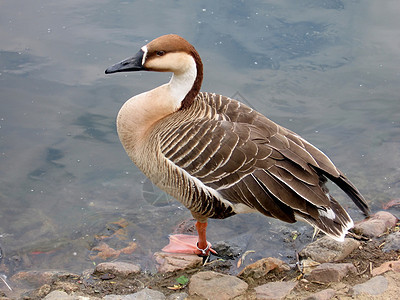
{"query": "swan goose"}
{"type": "Point", "coordinates": [219, 157]}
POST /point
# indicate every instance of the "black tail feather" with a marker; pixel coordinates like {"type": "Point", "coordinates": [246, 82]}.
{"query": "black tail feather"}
{"type": "Point", "coordinates": [345, 184]}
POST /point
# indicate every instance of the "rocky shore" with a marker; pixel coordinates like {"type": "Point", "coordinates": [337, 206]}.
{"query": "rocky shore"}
{"type": "Point", "coordinates": [365, 266]}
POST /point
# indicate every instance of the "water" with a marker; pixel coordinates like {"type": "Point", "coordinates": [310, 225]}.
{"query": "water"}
{"type": "Point", "coordinates": [329, 70]}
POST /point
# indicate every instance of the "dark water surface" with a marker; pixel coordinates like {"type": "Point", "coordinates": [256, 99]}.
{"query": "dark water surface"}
{"type": "Point", "coordinates": [329, 70]}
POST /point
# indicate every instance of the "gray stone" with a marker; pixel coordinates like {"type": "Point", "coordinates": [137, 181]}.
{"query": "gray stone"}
{"type": "Point", "coordinates": [117, 268]}
{"type": "Point", "coordinates": [392, 242]}
{"type": "Point", "coordinates": [376, 224]}
{"type": "Point", "coordinates": [274, 290]}
{"type": "Point", "coordinates": [213, 285]}
{"type": "Point", "coordinates": [145, 294]}
{"type": "Point", "coordinates": [375, 286]}
{"type": "Point", "coordinates": [59, 295]}
{"type": "Point", "coordinates": [323, 295]}
{"type": "Point", "coordinates": [326, 249]}
{"type": "Point", "coordinates": [170, 262]}
{"type": "Point", "coordinates": [330, 272]}
{"type": "Point", "coordinates": [178, 296]}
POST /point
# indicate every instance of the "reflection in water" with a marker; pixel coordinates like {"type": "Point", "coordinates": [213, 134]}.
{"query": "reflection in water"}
{"type": "Point", "coordinates": [19, 63]}
{"type": "Point", "coordinates": [328, 70]}
{"type": "Point", "coordinates": [96, 127]}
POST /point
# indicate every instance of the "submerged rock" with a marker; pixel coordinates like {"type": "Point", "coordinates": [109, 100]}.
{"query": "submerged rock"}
{"type": "Point", "coordinates": [38, 278]}
{"type": "Point", "coordinates": [326, 249]}
{"type": "Point", "coordinates": [212, 285]}
{"type": "Point", "coordinates": [226, 250]}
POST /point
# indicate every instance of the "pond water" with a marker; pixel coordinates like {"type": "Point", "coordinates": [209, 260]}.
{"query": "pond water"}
{"type": "Point", "coordinates": [329, 70]}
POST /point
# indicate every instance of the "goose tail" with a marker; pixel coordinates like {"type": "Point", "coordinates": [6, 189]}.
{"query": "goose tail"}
{"type": "Point", "coordinates": [333, 221]}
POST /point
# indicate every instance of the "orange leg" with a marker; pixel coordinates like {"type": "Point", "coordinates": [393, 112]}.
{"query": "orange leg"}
{"type": "Point", "coordinates": [202, 244]}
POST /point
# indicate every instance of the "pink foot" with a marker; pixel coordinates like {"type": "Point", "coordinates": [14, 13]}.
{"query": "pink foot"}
{"type": "Point", "coordinates": [184, 243]}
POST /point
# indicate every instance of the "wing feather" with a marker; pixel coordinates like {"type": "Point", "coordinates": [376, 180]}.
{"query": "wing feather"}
{"type": "Point", "coordinates": [250, 160]}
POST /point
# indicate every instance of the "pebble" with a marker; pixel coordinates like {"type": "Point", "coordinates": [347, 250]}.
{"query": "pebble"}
{"type": "Point", "coordinates": [326, 249]}
{"type": "Point", "coordinates": [261, 267]}
{"type": "Point", "coordinates": [145, 294]}
{"type": "Point", "coordinates": [42, 291]}
{"type": "Point", "coordinates": [59, 295]}
{"type": "Point", "coordinates": [375, 286]}
{"type": "Point", "coordinates": [387, 266]}
{"type": "Point", "coordinates": [274, 290]}
{"type": "Point", "coordinates": [178, 296]}
{"type": "Point", "coordinates": [323, 295]}
{"type": "Point", "coordinates": [118, 268]}
{"type": "Point", "coordinates": [213, 285]}
{"type": "Point", "coordinates": [331, 272]}
{"type": "Point", "coordinates": [376, 224]}
{"type": "Point", "coordinates": [170, 262]}
{"type": "Point", "coordinates": [68, 287]}
{"type": "Point", "coordinates": [392, 242]}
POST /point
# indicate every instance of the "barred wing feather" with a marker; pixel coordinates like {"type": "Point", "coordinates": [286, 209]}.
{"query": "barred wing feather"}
{"type": "Point", "coordinates": [249, 159]}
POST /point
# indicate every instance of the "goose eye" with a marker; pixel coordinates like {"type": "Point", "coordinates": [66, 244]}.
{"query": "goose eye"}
{"type": "Point", "coordinates": [160, 53]}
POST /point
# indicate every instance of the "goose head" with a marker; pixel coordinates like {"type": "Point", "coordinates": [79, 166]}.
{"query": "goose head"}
{"type": "Point", "coordinates": [168, 53]}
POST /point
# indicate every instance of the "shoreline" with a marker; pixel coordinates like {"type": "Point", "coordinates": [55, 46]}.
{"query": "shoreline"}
{"type": "Point", "coordinates": [325, 270]}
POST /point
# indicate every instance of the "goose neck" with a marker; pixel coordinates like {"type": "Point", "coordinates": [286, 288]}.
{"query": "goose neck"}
{"type": "Point", "coordinates": [181, 83]}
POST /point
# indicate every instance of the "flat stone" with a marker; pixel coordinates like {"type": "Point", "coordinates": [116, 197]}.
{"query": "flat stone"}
{"type": "Point", "coordinates": [178, 296]}
{"type": "Point", "coordinates": [58, 295]}
{"type": "Point", "coordinates": [117, 268]}
{"type": "Point", "coordinates": [262, 267]}
{"type": "Point", "coordinates": [213, 285]}
{"type": "Point", "coordinates": [387, 266]}
{"type": "Point", "coordinates": [331, 272]}
{"type": "Point", "coordinates": [145, 294]}
{"type": "Point", "coordinates": [376, 225]}
{"type": "Point", "coordinates": [170, 262]}
{"type": "Point", "coordinates": [392, 242]}
{"type": "Point", "coordinates": [327, 249]}
{"type": "Point", "coordinates": [274, 290]}
{"type": "Point", "coordinates": [375, 286]}
{"type": "Point", "coordinates": [323, 295]}
{"type": "Point", "coordinates": [392, 291]}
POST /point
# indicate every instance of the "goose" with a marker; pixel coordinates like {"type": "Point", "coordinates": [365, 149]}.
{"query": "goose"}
{"type": "Point", "coordinates": [218, 156]}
